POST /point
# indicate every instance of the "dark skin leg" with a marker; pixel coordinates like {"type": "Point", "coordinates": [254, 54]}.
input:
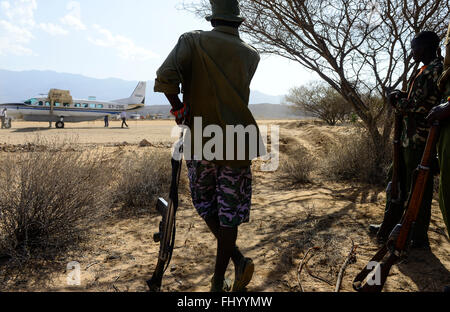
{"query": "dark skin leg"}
{"type": "Point", "coordinates": [174, 100]}
{"type": "Point", "coordinates": [226, 245]}
{"type": "Point", "coordinates": [226, 237]}
{"type": "Point", "coordinates": [214, 226]}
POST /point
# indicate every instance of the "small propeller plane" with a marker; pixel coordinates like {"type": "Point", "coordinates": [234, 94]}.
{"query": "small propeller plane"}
{"type": "Point", "coordinates": [60, 107]}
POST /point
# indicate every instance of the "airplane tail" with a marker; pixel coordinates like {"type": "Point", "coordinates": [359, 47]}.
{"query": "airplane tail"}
{"type": "Point", "coordinates": [138, 95]}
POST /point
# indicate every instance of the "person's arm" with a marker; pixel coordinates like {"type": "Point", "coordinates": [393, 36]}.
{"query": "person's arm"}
{"type": "Point", "coordinates": [395, 97]}
{"type": "Point", "coordinates": [175, 101]}
{"type": "Point", "coordinates": [169, 75]}
{"type": "Point", "coordinates": [440, 113]}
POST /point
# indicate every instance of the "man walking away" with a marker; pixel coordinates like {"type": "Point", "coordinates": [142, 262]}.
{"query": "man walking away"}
{"type": "Point", "coordinates": [215, 69]}
{"type": "Point", "coordinates": [106, 119]}
{"type": "Point", "coordinates": [123, 115]}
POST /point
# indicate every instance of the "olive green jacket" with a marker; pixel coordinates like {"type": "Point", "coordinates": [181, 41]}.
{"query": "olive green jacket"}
{"type": "Point", "coordinates": [215, 69]}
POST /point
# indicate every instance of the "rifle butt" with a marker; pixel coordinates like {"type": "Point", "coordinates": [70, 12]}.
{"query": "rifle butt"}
{"type": "Point", "coordinates": [373, 280]}
{"type": "Point", "coordinates": [154, 284]}
{"type": "Point", "coordinates": [373, 277]}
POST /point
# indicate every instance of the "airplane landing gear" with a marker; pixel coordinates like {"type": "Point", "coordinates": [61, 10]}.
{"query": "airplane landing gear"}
{"type": "Point", "coordinates": [60, 124]}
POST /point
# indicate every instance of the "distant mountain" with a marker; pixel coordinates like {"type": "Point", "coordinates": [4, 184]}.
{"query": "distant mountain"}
{"type": "Point", "coordinates": [17, 86]}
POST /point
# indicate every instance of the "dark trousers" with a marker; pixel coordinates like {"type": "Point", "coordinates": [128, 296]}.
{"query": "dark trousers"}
{"type": "Point", "coordinates": [409, 161]}
{"type": "Point", "coordinates": [124, 122]}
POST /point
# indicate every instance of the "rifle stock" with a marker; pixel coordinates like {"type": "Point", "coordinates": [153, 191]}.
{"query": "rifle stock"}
{"type": "Point", "coordinates": [400, 237]}
{"type": "Point", "coordinates": [421, 176]}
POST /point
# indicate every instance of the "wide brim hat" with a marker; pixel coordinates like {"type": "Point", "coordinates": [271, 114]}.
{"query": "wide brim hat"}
{"type": "Point", "coordinates": [225, 10]}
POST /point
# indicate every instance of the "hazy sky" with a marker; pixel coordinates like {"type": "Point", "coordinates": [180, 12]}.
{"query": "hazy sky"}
{"type": "Point", "coordinates": [125, 39]}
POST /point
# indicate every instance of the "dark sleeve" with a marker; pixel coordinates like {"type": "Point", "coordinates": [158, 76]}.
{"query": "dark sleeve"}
{"type": "Point", "coordinates": [169, 75]}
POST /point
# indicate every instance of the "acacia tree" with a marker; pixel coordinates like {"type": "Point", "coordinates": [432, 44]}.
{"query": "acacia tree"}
{"type": "Point", "coordinates": [317, 99]}
{"type": "Point", "coordinates": [359, 47]}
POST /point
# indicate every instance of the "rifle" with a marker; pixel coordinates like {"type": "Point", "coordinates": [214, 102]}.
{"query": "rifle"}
{"type": "Point", "coordinates": [395, 204]}
{"type": "Point", "coordinates": [395, 183]}
{"type": "Point", "coordinates": [373, 277]}
{"type": "Point", "coordinates": [167, 228]}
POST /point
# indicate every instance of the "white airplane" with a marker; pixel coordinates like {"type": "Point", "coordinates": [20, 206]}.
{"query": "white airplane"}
{"type": "Point", "coordinates": [40, 109]}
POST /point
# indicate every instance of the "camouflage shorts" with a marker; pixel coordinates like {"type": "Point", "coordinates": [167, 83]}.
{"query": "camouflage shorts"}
{"type": "Point", "coordinates": [221, 191]}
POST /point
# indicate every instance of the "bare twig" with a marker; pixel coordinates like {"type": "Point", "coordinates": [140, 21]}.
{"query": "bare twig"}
{"type": "Point", "coordinates": [188, 231]}
{"type": "Point", "coordinates": [348, 260]}
{"type": "Point", "coordinates": [303, 263]}
{"type": "Point", "coordinates": [91, 264]}
{"type": "Point", "coordinates": [114, 286]}
{"type": "Point", "coordinates": [316, 276]}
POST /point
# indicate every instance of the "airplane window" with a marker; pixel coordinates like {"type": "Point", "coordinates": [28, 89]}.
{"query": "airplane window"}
{"type": "Point", "coordinates": [28, 102]}
{"type": "Point", "coordinates": [47, 103]}
{"type": "Point", "coordinates": [66, 105]}
{"type": "Point", "coordinates": [57, 104]}
{"type": "Point", "coordinates": [85, 105]}
{"type": "Point", "coordinates": [77, 105]}
{"type": "Point", "coordinates": [99, 105]}
{"type": "Point", "coordinates": [92, 105]}
{"type": "Point", "coordinates": [33, 101]}
{"type": "Point", "coordinates": [41, 103]}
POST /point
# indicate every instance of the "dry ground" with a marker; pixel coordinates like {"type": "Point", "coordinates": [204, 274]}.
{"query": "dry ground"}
{"type": "Point", "coordinates": [285, 222]}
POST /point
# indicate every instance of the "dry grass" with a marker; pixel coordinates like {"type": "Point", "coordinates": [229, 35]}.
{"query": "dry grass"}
{"type": "Point", "coordinates": [144, 178]}
{"type": "Point", "coordinates": [49, 197]}
{"type": "Point", "coordinates": [354, 158]}
{"type": "Point", "coordinates": [296, 165]}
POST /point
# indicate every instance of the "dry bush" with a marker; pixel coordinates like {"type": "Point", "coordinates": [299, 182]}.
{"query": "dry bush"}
{"type": "Point", "coordinates": [145, 178]}
{"type": "Point", "coordinates": [297, 164]}
{"type": "Point", "coordinates": [354, 158]}
{"type": "Point", "coordinates": [49, 198]}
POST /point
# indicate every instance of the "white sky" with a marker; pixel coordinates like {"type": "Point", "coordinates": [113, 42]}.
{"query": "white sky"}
{"type": "Point", "coordinates": [127, 39]}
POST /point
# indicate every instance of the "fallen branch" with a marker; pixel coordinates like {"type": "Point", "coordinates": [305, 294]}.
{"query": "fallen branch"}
{"type": "Point", "coordinates": [114, 286]}
{"type": "Point", "coordinates": [302, 263]}
{"type": "Point", "coordinates": [316, 276]}
{"type": "Point", "coordinates": [91, 264]}
{"type": "Point", "coordinates": [350, 258]}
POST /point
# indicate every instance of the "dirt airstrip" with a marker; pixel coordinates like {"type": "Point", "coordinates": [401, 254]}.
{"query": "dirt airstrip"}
{"type": "Point", "coordinates": [286, 221]}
